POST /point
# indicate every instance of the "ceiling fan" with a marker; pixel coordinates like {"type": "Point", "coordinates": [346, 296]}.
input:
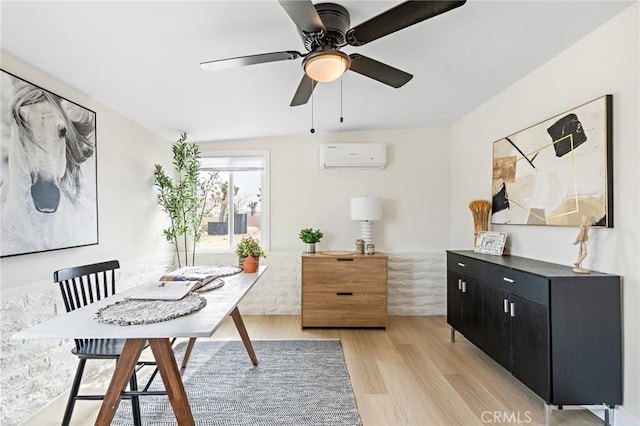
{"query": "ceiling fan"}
{"type": "Point", "coordinates": [324, 28]}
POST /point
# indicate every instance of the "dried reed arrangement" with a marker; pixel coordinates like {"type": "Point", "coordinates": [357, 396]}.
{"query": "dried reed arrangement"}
{"type": "Point", "coordinates": [480, 210]}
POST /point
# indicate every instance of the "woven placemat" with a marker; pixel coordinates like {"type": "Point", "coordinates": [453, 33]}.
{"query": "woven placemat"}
{"type": "Point", "coordinates": [140, 312]}
{"type": "Point", "coordinates": [217, 283]}
{"type": "Point", "coordinates": [217, 271]}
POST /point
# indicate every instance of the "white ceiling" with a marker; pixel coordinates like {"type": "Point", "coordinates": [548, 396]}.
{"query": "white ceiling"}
{"type": "Point", "coordinates": [141, 59]}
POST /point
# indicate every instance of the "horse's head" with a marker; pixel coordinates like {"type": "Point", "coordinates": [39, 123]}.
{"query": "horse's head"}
{"type": "Point", "coordinates": [41, 129]}
{"type": "Point", "coordinates": [49, 144]}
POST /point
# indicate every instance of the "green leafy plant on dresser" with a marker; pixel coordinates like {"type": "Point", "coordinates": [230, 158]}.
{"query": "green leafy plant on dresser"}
{"type": "Point", "coordinates": [310, 238]}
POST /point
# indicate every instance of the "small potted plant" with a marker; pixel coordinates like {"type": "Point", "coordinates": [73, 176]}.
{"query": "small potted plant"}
{"type": "Point", "coordinates": [249, 246]}
{"type": "Point", "coordinates": [311, 237]}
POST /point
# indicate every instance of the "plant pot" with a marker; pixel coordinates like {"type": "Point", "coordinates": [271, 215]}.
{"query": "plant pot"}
{"type": "Point", "coordinates": [250, 265]}
{"type": "Point", "coordinates": [311, 247]}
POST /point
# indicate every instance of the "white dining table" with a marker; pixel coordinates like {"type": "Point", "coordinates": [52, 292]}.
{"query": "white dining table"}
{"type": "Point", "coordinates": [80, 324]}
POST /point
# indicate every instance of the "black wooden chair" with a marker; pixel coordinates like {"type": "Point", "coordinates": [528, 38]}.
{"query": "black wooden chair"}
{"type": "Point", "coordinates": [81, 286]}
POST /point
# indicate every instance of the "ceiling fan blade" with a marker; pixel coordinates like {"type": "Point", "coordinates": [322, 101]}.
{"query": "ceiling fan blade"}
{"type": "Point", "coordinates": [304, 15]}
{"type": "Point", "coordinates": [378, 71]}
{"type": "Point", "coordinates": [402, 16]}
{"type": "Point", "coordinates": [304, 91]}
{"type": "Point", "coordinates": [240, 61]}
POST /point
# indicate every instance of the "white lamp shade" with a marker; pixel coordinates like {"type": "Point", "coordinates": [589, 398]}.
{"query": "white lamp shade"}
{"type": "Point", "coordinates": [366, 208]}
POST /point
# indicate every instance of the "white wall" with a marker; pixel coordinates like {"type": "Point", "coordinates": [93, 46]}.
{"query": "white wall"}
{"type": "Point", "coordinates": [33, 372]}
{"type": "Point", "coordinates": [412, 187]}
{"type": "Point", "coordinates": [414, 229]}
{"type": "Point", "coordinates": [604, 62]}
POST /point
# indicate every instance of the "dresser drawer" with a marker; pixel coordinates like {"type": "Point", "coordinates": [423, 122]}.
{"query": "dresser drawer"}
{"type": "Point", "coordinates": [348, 274]}
{"type": "Point", "coordinates": [464, 265]}
{"type": "Point", "coordinates": [528, 286]}
{"type": "Point", "coordinates": [323, 309]}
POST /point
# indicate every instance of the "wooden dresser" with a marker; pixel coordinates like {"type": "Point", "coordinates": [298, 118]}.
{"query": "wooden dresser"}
{"type": "Point", "coordinates": [344, 291]}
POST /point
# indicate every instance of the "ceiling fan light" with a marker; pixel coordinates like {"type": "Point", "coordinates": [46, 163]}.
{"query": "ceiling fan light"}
{"type": "Point", "coordinates": [326, 66]}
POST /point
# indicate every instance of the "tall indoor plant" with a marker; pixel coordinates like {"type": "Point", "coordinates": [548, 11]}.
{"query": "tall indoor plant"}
{"type": "Point", "coordinates": [184, 197]}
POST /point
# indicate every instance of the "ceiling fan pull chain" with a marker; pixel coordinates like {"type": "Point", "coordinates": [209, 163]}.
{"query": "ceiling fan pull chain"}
{"type": "Point", "coordinates": [312, 129]}
{"type": "Point", "coordinates": [341, 117]}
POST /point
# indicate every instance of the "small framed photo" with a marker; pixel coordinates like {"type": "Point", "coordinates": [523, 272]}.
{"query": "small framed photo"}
{"type": "Point", "coordinates": [490, 243]}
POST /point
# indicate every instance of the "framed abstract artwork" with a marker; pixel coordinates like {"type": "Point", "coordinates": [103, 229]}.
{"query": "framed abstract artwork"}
{"type": "Point", "coordinates": [557, 171]}
{"type": "Point", "coordinates": [48, 184]}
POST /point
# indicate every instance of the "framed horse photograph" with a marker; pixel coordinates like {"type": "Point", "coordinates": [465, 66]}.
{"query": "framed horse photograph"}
{"type": "Point", "coordinates": [48, 176]}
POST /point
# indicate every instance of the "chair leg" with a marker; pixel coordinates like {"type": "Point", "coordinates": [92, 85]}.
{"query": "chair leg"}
{"type": "Point", "coordinates": [155, 372]}
{"type": "Point", "coordinates": [150, 381]}
{"type": "Point", "coordinates": [73, 393]}
{"type": "Point", "coordinates": [135, 400]}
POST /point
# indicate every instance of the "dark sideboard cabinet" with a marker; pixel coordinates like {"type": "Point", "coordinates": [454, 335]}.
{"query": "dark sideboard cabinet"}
{"type": "Point", "coordinates": [558, 332]}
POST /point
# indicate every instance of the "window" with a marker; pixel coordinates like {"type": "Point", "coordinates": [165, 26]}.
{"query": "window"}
{"type": "Point", "coordinates": [238, 201]}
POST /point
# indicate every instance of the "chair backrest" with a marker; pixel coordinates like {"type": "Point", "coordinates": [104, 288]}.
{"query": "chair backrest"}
{"type": "Point", "coordinates": [83, 285]}
{"type": "Point", "coordinates": [86, 284]}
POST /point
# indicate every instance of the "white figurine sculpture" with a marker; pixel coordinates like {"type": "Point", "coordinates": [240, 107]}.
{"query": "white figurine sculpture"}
{"type": "Point", "coordinates": [581, 239]}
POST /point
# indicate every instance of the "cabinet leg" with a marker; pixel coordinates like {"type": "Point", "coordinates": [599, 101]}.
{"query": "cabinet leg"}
{"type": "Point", "coordinates": [609, 413]}
{"type": "Point", "coordinates": [548, 409]}
{"type": "Point", "coordinates": [453, 334]}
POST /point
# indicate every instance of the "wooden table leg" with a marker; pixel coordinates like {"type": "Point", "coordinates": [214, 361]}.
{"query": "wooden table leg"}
{"type": "Point", "coordinates": [187, 353]}
{"type": "Point", "coordinates": [124, 368]}
{"type": "Point", "coordinates": [168, 367]}
{"type": "Point", "coordinates": [237, 319]}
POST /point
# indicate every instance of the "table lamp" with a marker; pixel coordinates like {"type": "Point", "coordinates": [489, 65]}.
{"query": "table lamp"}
{"type": "Point", "coordinates": [366, 210]}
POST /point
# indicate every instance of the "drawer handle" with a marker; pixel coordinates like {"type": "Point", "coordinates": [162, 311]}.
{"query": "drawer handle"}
{"type": "Point", "coordinates": [509, 280]}
{"type": "Point", "coordinates": [513, 309]}
{"type": "Point", "coordinates": [345, 259]}
{"type": "Point", "coordinates": [464, 286]}
{"type": "Point", "coordinates": [461, 264]}
{"type": "Point", "coordinates": [506, 306]}
{"type": "Point", "coordinates": [459, 283]}
{"type": "Point", "coordinates": [344, 294]}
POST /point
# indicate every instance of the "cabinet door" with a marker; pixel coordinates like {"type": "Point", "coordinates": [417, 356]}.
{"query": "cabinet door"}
{"type": "Point", "coordinates": [472, 315]}
{"type": "Point", "coordinates": [530, 345]}
{"type": "Point", "coordinates": [454, 300]}
{"type": "Point", "coordinates": [497, 335]}
{"type": "Point", "coordinates": [464, 306]}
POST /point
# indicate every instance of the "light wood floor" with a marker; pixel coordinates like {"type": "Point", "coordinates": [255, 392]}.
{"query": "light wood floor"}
{"type": "Point", "coordinates": [410, 374]}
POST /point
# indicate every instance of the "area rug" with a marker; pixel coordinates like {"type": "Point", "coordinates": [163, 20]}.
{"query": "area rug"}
{"type": "Point", "coordinates": [297, 382]}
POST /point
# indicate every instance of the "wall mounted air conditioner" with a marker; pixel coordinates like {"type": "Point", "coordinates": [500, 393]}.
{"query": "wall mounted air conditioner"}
{"type": "Point", "coordinates": [352, 155]}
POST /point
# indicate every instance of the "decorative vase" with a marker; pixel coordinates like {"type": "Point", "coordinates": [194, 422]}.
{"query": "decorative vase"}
{"type": "Point", "coordinates": [311, 247]}
{"type": "Point", "coordinates": [480, 210]}
{"type": "Point", "coordinates": [250, 265]}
